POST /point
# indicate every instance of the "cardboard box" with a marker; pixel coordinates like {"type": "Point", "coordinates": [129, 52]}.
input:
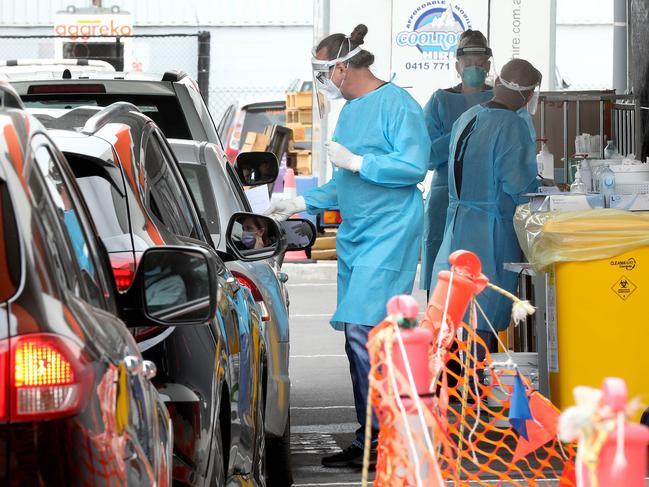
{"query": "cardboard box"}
{"type": "Point", "coordinates": [261, 143]}
{"type": "Point", "coordinates": [299, 100]}
{"type": "Point", "coordinates": [302, 162]}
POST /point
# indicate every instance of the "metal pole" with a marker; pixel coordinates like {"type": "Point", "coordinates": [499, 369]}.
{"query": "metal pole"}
{"type": "Point", "coordinates": [601, 128]}
{"type": "Point", "coordinates": [620, 40]}
{"type": "Point", "coordinates": [578, 117]}
{"type": "Point", "coordinates": [543, 118]}
{"type": "Point", "coordinates": [204, 63]}
{"type": "Point", "coordinates": [119, 55]}
{"type": "Point", "coordinates": [566, 162]}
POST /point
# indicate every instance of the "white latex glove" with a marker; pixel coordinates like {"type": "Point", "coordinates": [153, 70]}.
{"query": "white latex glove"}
{"type": "Point", "coordinates": [342, 157]}
{"type": "Point", "coordinates": [284, 209]}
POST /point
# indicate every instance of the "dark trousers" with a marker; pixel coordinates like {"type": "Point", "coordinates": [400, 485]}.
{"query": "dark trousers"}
{"type": "Point", "coordinates": [359, 368]}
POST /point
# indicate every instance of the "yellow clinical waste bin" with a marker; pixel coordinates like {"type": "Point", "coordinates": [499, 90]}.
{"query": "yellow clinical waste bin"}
{"type": "Point", "coordinates": [598, 324]}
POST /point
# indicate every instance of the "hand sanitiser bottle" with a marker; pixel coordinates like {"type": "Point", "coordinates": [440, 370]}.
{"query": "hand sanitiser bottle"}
{"type": "Point", "coordinates": [578, 187]}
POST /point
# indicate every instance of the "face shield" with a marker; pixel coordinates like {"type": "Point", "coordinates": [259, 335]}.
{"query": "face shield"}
{"type": "Point", "coordinates": [323, 85]}
{"type": "Point", "coordinates": [533, 102]}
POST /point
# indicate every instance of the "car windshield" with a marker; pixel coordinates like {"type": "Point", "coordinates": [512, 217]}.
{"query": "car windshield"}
{"type": "Point", "coordinates": [164, 110]}
{"type": "Point", "coordinates": [199, 184]}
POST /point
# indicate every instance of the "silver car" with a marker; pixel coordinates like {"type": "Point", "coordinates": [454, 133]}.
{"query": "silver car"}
{"type": "Point", "coordinates": [218, 194]}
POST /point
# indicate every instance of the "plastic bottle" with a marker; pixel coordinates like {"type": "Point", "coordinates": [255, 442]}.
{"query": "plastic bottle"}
{"type": "Point", "coordinates": [545, 161]}
{"type": "Point", "coordinates": [607, 185]}
{"type": "Point", "coordinates": [578, 186]}
{"type": "Point", "coordinates": [289, 184]}
{"type": "Point", "coordinates": [610, 151]}
{"type": "Point", "coordinates": [586, 174]}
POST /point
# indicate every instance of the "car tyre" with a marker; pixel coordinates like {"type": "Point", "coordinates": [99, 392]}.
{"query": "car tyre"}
{"type": "Point", "coordinates": [278, 454]}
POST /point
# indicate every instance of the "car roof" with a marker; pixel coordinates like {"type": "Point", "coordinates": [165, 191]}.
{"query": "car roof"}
{"type": "Point", "coordinates": [265, 105]}
{"type": "Point", "coordinates": [171, 76]}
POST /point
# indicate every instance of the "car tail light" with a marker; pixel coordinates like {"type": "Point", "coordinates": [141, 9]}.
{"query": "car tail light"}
{"type": "Point", "coordinates": [65, 88]}
{"type": "Point", "coordinates": [124, 265]}
{"type": "Point", "coordinates": [247, 282]}
{"type": "Point", "coordinates": [4, 376]}
{"type": "Point", "coordinates": [48, 379]}
{"type": "Point", "coordinates": [331, 217]}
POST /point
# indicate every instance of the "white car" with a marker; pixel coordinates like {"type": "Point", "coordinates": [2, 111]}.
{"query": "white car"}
{"type": "Point", "coordinates": [19, 69]}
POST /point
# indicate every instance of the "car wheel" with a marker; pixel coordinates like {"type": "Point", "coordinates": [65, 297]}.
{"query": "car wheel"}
{"type": "Point", "coordinates": [218, 475]}
{"type": "Point", "coordinates": [278, 453]}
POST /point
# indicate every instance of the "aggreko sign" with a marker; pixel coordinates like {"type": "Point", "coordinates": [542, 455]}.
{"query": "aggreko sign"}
{"type": "Point", "coordinates": [86, 26]}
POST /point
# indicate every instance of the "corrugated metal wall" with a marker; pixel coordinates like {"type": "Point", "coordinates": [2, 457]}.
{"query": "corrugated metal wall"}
{"type": "Point", "coordinates": [19, 13]}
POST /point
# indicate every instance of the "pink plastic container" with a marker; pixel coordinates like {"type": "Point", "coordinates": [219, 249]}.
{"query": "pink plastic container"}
{"type": "Point", "coordinates": [417, 342]}
{"type": "Point", "coordinates": [636, 439]}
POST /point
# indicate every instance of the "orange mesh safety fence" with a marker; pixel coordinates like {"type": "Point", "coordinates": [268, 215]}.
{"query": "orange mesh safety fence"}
{"type": "Point", "coordinates": [469, 437]}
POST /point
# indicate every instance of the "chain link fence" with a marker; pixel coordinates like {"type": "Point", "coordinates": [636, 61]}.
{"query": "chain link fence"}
{"type": "Point", "coordinates": [149, 53]}
{"type": "Point", "coordinates": [222, 97]}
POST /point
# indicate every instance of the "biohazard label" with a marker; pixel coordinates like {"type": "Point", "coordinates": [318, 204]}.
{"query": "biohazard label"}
{"type": "Point", "coordinates": [624, 288]}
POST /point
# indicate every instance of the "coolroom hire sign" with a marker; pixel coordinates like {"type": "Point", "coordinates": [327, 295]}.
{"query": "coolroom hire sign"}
{"type": "Point", "coordinates": [425, 37]}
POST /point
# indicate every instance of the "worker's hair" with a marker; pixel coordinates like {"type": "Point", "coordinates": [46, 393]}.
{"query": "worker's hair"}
{"type": "Point", "coordinates": [472, 38]}
{"type": "Point", "coordinates": [336, 43]}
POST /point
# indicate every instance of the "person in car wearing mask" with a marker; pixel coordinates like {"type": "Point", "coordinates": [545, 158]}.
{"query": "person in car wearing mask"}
{"type": "Point", "coordinates": [492, 164]}
{"type": "Point", "coordinates": [380, 152]}
{"type": "Point", "coordinates": [254, 233]}
{"type": "Point", "coordinates": [441, 112]}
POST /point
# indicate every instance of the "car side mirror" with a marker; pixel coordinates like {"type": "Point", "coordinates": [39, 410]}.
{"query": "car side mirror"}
{"type": "Point", "coordinates": [257, 168]}
{"type": "Point", "coordinates": [300, 233]}
{"type": "Point", "coordinates": [252, 237]}
{"type": "Point", "coordinates": [172, 286]}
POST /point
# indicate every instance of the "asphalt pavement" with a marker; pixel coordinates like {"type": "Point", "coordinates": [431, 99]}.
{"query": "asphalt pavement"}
{"type": "Point", "coordinates": [322, 405]}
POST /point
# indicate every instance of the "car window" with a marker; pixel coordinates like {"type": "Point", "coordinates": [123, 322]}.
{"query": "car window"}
{"type": "Point", "coordinates": [105, 198]}
{"type": "Point", "coordinates": [164, 110]}
{"type": "Point", "coordinates": [73, 242]}
{"type": "Point", "coordinates": [164, 193]}
{"type": "Point", "coordinates": [10, 270]}
{"type": "Point", "coordinates": [199, 184]}
{"type": "Point", "coordinates": [237, 189]}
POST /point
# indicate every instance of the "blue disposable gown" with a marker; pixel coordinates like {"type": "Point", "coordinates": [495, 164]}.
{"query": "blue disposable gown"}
{"type": "Point", "coordinates": [441, 111]}
{"type": "Point", "coordinates": [499, 167]}
{"type": "Point", "coordinates": [379, 239]}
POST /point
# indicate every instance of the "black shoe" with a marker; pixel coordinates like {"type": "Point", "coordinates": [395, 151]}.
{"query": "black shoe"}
{"type": "Point", "coordinates": [359, 463]}
{"type": "Point", "coordinates": [346, 458]}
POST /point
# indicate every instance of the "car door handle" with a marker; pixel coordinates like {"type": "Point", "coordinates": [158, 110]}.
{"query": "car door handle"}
{"type": "Point", "coordinates": [233, 285]}
{"type": "Point", "coordinates": [150, 369]}
{"type": "Point", "coordinates": [133, 364]}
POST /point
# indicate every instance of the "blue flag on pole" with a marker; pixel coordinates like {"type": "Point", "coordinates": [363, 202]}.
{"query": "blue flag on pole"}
{"type": "Point", "coordinates": [519, 409]}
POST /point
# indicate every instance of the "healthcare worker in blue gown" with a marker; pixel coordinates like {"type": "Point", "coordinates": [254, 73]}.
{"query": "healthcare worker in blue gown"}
{"type": "Point", "coordinates": [441, 111]}
{"type": "Point", "coordinates": [380, 149]}
{"type": "Point", "coordinates": [492, 165]}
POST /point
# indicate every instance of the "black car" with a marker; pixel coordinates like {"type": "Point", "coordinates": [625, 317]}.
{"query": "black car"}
{"type": "Point", "coordinates": [77, 406]}
{"type": "Point", "coordinates": [211, 376]}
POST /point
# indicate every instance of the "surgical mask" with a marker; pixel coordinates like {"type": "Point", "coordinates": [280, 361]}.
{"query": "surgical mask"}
{"type": "Point", "coordinates": [474, 76]}
{"type": "Point", "coordinates": [330, 90]}
{"type": "Point", "coordinates": [249, 239]}
{"type": "Point", "coordinates": [533, 102]}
